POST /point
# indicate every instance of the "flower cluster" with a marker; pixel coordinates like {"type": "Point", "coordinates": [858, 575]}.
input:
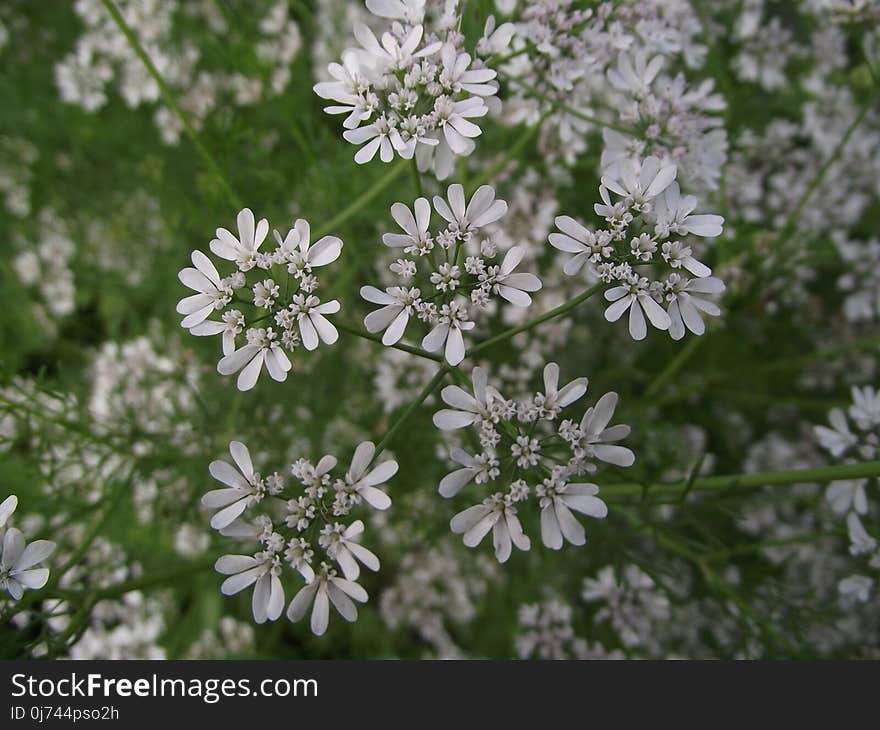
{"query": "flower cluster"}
{"type": "Point", "coordinates": [546, 632]}
{"type": "Point", "coordinates": [281, 293]}
{"type": "Point", "coordinates": [648, 228]}
{"type": "Point", "coordinates": [524, 446]}
{"type": "Point", "coordinates": [103, 58]}
{"type": "Point", "coordinates": [850, 498]}
{"type": "Point", "coordinates": [289, 520]}
{"type": "Point", "coordinates": [452, 268]}
{"type": "Point", "coordinates": [411, 93]}
{"type": "Point", "coordinates": [18, 559]}
{"type": "Point", "coordinates": [631, 603]}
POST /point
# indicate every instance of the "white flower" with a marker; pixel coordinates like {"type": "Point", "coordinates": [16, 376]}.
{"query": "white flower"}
{"type": "Point", "coordinates": [453, 321]}
{"type": "Point", "coordinates": [398, 303]}
{"type": "Point", "coordinates": [416, 237]}
{"type": "Point", "coordinates": [453, 118]}
{"type": "Point", "coordinates": [576, 239]}
{"type": "Point", "coordinates": [597, 439]}
{"type": "Point", "coordinates": [674, 216]}
{"type": "Point", "coordinates": [262, 348]}
{"type": "Point", "coordinates": [313, 325]}
{"type": "Point", "coordinates": [495, 514]}
{"type": "Point", "coordinates": [261, 569]}
{"type": "Point", "coordinates": [510, 286]}
{"type": "Point", "coordinates": [857, 587]}
{"type": "Point", "coordinates": [7, 507]}
{"type": "Point", "coordinates": [860, 541]}
{"type": "Point", "coordinates": [865, 410]}
{"type": "Point", "coordinates": [456, 480]}
{"type": "Point", "coordinates": [17, 563]}
{"type": "Point", "coordinates": [639, 184]}
{"type": "Point", "coordinates": [684, 308]}
{"type": "Point", "coordinates": [325, 589]}
{"type": "Point", "coordinates": [557, 501]}
{"type": "Point", "coordinates": [467, 409]}
{"type": "Point", "coordinates": [342, 545]}
{"type": "Point", "coordinates": [677, 255]}
{"type": "Point", "coordinates": [635, 297]}
{"type": "Point", "coordinates": [379, 137]}
{"type": "Point", "coordinates": [482, 209]}
{"type": "Point", "coordinates": [848, 495]}
{"type": "Point", "coordinates": [244, 487]}
{"type": "Point", "coordinates": [212, 294]}
{"type": "Point", "coordinates": [390, 54]}
{"type": "Point", "coordinates": [635, 78]}
{"type": "Point", "coordinates": [300, 256]}
{"type": "Point", "coordinates": [365, 483]}
{"type": "Point", "coordinates": [553, 399]}
{"type": "Point", "coordinates": [837, 439]}
{"type": "Point", "coordinates": [241, 250]}
{"type": "Point", "coordinates": [457, 76]}
{"type": "Point", "coordinates": [408, 11]}
{"type": "Point", "coordinates": [346, 90]}
{"type": "Point", "coordinates": [231, 325]}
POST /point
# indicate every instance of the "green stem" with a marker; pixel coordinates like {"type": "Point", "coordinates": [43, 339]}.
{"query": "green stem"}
{"type": "Point", "coordinates": [791, 222]}
{"type": "Point", "coordinates": [171, 101]}
{"type": "Point", "coordinates": [532, 91]}
{"type": "Point", "coordinates": [398, 346]}
{"type": "Point", "coordinates": [420, 398]}
{"type": "Point", "coordinates": [862, 470]}
{"type": "Point", "coordinates": [512, 151]}
{"type": "Point", "coordinates": [355, 206]}
{"type": "Point", "coordinates": [674, 365]}
{"type": "Point", "coordinates": [525, 326]}
{"type": "Point", "coordinates": [417, 178]}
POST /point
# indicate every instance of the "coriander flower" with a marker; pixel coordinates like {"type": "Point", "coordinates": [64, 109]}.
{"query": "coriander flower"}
{"type": "Point", "coordinates": [341, 544]}
{"type": "Point", "coordinates": [557, 501]}
{"type": "Point", "coordinates": [510, 286]}
{"type": "Point", "coordinates": [313, 325]}
{"type": "Point", "coordinates": [838, 439]}
{"type": "Point", "coordinates": [7, 507]}
{"type": "Point", "coordinates": [363, 483]}
{"type": "Point", "coordinates": [554, 399]}
{"type": "Point", "coordinates": [498, 515]}
{"type": "Point", "coordinates": [634, 296]}
{"type": "Point", "coordinates": [244, 487]}
{"type": "Point", "coordinates": [468, 409]}
{"type": "Point", "coordinates": [261, 571]}
{"type": "Point", "coordinates": [415, 237]}
{"type": "Point", "coordinates": [640, 184]}
{"type": "Point", "coordinates": [324, 589]}
{"type": "Point", "coordinates": [212, 292]}
{"type": "Point", "coordinates": [17, 571]}
{"type": "Point", "coordinates": [684, 307]}
{"type": "Point", "coordinates": [242, 250]}
{"type": "Point", "coordinates": [300, 255]}
{"type": "Point", "coordinates": [447, 335]}
{"type": "Point", "coordinates": [398, 304]}
{"type": "Point", "coordinates": [263, 348]}
{"type": "Point", "coordinates": [674, 216]}
{"type": "Point", "coordinates": [597, 439]}
{"type": "Point", "coordinates": [479, 468]}
{"type": "Point", "coordinates": [481, 210]}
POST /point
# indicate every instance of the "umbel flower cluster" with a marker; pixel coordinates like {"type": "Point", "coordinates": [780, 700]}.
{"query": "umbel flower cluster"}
{"type": "Point", "coordinates": [854, 435]}
{"type": "Point", "coordinates": [529, 453]}
{"type": "Point", "coordinates": [279, 287]}
{"type": "Point", "coordinates": [447, 276]}
{"type": "Point", "coordinates": [647, 250]}
{"type": "Point", "coordinates": [411, 93]}
{"type": "Point", "coordinates": [291, 519]}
